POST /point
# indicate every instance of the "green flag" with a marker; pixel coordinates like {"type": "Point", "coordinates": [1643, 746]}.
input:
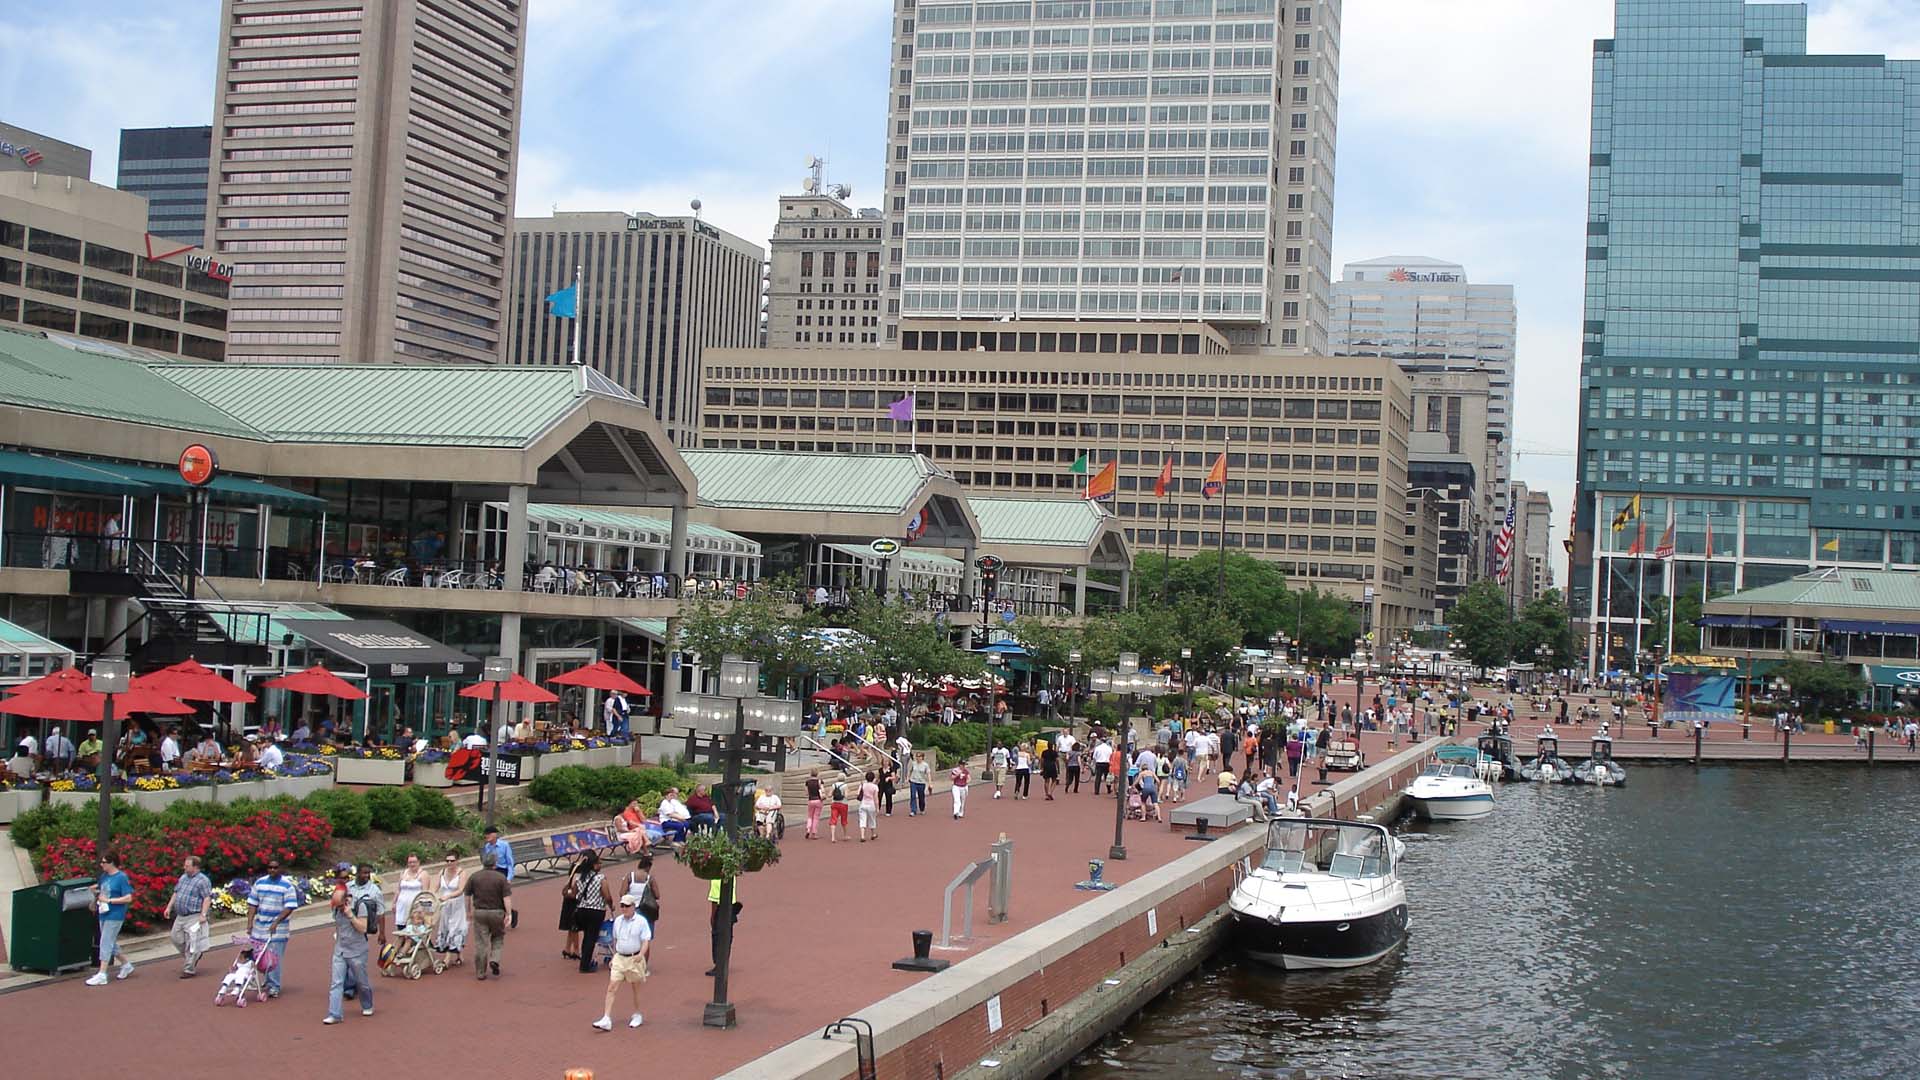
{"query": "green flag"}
{"type": "Point", "coordinates": [1080, 465]}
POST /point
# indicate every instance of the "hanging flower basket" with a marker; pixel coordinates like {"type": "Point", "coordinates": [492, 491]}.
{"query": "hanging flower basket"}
{"type": "Point", "coordinates": [757, 853]}
{"type": "Point", "coordinates": [712, 856]}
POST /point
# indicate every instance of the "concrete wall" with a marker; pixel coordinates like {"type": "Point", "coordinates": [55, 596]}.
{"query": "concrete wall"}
{"type": "Point", "coordinates": [938, 1026]}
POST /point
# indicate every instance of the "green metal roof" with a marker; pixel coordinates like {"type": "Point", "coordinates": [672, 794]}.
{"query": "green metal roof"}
{"type": "Point", "coordinates": [1834, 587]}
{"type": "Point", "coordinates": [71, 379]}
{"type": "Point", "coordinates": [248, 628]}
{"type": "Point", "coordinates": [766, 480]}
{"type": "Point", "coordinates": [931, 561]}
{"type": "Point", "coordinates": [17, 638]}
{"type": "Point", "coordinates": [1061, 522]}
{"type": "Point", "coordinates": [606, 517]}
{"type": "Point", "coordinates": [381, 403]}
{"type": "Point", "coordinates": [231, 489]}
{"type": "Point", "coordinates": [653, 628]}
{"type": "Point", "coordinates": [17, 467]}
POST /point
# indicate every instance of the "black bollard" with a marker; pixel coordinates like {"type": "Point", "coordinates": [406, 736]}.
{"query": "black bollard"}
{"type": "Point", "coordinates": [1786, 742]}
{"type": "Point", "coordinates": [922, 958]}
{"type": "Point", "coordinates": [1869, 746]}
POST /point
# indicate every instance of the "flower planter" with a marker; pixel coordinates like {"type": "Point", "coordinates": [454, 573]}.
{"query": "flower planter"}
{"type": "Point", "coordinates": [549, 762]}
{"type": "Point", "coordinates": [160, 800]}
{"type": "Point", "coordinates": [10, 804]}
{"type": "Point", "coordinates": [79, 799]}
{"type": "Point", "coordinates": [348, 770]}
{"type": "Point", "coordinates": [302, 786]}
{"type": "Point", "coordinates": [431, 774]}
{"type": "Point", "coordinates": [239, 789]}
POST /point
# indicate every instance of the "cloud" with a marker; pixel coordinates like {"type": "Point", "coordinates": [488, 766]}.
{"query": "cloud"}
{"type": "Point", "coordinates": [1883, 27]}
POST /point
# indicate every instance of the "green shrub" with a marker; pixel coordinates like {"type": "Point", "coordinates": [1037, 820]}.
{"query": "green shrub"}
{"type": "Point", "coordinates": [396, 854]}
{"type": "Point", "coordinates": [431, 809]}
{"type": "Point", "coordinates": [611, 789]}
{"type": "Point", "coordinates": [390, 809]}
{"type": "Point", "coordinates": [346, 810]}
{"type": "Point", "coordinates": [565, 788]}
{"type": "Point", "coordinates": [657, 778]}
{"type": "Point", "coordinates": [35, 827]}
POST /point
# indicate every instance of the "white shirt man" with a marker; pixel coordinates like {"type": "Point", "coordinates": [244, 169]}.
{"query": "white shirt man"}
{"type": "Point", "coordinates": [1102, 755]}
{"type": "Point", "coordinates": [59, 752]}
{"type": "Point", "coordinates": [902, 744]}
{"type": "Point", "coordinates": [271, 757]}
{"type": "Point", "coordinates": [1067, 742]}
{"type": "Point", "coordinates": [1146, 761]}
{"type": "Point", "coordinates": [32, 746]}
{"type": "Point", "coordinates": [169, 751]}
{"type": "Point", "coordinates": [1045, 699]}
{"type": "Point", "coordinates": [610, 715]}
{"type": "Point", "coordinates": [475, 741]}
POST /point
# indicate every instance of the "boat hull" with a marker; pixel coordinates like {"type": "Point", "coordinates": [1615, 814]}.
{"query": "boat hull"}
{"type": "Point", "coordinates": [1334, 943]}
{"type": "Point", "coordinates": [1451, 807]}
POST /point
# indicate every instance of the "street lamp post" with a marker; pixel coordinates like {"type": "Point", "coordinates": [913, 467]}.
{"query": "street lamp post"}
{"type": "Point", "coordinates": [1128, 680]}
{"type": "Point", "coordinates": [1186, 677]}
{"type": "Point", "coordinates": [497, 670]}
{"type": "Point", "coordinates": [1073, 677]}
{"type": "Point", "coordinates": [728, 713]}
{"type": "Point", "coordinates": [109, 677]}
{"type": "Point", "coordinates": [994, 660]}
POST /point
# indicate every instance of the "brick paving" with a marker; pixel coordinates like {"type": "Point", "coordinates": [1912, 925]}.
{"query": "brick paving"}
{"type": "Point", "coordinates": [814, 944]}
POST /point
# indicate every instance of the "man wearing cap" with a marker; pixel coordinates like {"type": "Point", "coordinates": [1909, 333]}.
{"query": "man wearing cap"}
{"type": "Point", "coordinates": [357, 912]}
{"type": "Point", "coordinates": [496, 852]}
{"type": "Point", "coordinates": [273, 899]}
{"type": "Point", "coordinates": [89, 750]}
{"type": "Point", "coordinates": [632, 943]}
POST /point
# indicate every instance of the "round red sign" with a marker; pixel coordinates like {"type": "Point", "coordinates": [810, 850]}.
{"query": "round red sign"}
{"type": "Point", "coordinates": [198, 465]}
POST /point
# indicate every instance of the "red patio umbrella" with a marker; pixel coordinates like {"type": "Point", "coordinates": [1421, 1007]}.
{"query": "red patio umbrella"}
{"type": "Point", "coordinates": [878, 691]}
{"type": "Point", "coordinates": [599, 675]}
{"type": "Point", "coordinates": [85, 706]}
{"type": "Point", "coordinates": [193, 681]}
{"type": "Point", "coordinates": [839, 693]}
{"type": "Point", "coordinates": [517, 688]}
{"type": "Point", "coordinates": [66, 678]}
{"type": "Point", "coordinates": [317, 680]}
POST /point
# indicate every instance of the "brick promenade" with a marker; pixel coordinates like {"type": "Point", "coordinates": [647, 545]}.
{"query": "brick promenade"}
{"type": "Point", "coordinates": [814, 944]}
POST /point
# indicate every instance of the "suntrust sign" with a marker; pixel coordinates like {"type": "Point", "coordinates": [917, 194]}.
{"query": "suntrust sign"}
{"type": "Point", "coordinates": [1401, 273]}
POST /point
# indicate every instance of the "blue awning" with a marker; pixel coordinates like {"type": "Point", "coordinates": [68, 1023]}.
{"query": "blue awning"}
{"type": "Point", "coordinates": [1752, 622]}
{"type": "Point", "coordinates": [1868, 626]}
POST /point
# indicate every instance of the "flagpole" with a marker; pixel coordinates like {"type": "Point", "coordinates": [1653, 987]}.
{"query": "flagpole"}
{"type": "Point", "coordinates": [1673, 574]}
{"type": "Point", "coordinates": [1220, 588]}
{"type": "Point", "coordinates": [579, 312]}
{"type": "Point", "coordinates": [1639, 593]}
{"type": "Point", "coordinates": [1166, 534]}
{"type": "Point", "coordinates": [1706, 567]}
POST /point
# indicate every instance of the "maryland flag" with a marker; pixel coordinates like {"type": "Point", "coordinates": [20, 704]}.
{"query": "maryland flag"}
{"type": "Point", "coordinates": [1104, 482]}
{"type": "Point", "coordinates": [1216, 481]}
{"type": "Point", "coordinates": [1630, 513]}
{"type": "Point", "coordinates": [1165, 483]}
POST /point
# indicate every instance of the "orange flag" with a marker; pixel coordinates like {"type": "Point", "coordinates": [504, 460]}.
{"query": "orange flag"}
{"type": "Point", "coordinates": [1639, 545]}
{"type": "Point", "coordinates": [1216, 482]}
{"type": "Point", "coordinates": [1664, 550]}
{"type": "Point", "coordinates": [1709, 539]}
{"type": "Point", "coordinates": [1161, 485]}
{"type": "Point", "coordinates": [1103, 483]}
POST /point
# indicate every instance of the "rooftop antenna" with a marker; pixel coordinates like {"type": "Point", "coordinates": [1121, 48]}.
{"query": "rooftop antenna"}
{"type": "Point", "coordinates": [816, 181]}
{"type": "Point", "coordinates": [696, 209]}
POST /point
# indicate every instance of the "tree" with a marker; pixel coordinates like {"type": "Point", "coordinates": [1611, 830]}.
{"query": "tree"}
{"type": "Point", "coordinates": [1544, 622]}
{"type": "Point", "coordinates": [1686, 617]}
{"type": "Point", "coordinates": [763, 626]}
{"type": "Point", "coordinates": [1821, 685]}
{"type": "Point", "coordinates": [1482, 627]}
{"type": "Point", "coordinates": [903, 643]}
{"type": "Point", "coordinates": [1256, 593]}
{"type": "Point", "coordinates": [1324, 624]}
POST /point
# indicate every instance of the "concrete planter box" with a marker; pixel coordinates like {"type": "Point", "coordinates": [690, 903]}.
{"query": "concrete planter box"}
{"type": "Point", "coordinates": [80, 799]}
{"type": "Point", "coordinates": [160, 800]}
{"type": "Point", "coordinates": [607, 756]}
{"type": "Point", "coordinates": [240, 789]}
{"type": "Point", "coordinates": [550, 762]}
{"type": "Point", "coordinates": [298, 787]}
{"type": "Point", "coordinates": [431, 774]}
{"type": "Point", "coordinates": [14, 803]}
{"type": "Point", "coordinates": [348, 770]}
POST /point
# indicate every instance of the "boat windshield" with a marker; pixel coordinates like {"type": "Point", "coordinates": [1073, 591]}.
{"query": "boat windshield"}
{"type": "Point", "coordinates": [1286, 862]}
{"type": "Point", "coordinates": [1549, 745]}
{"type": "Point", "coordinates": [1318, 842]}
{"type": "Point", "coordinates": [1449, 769]}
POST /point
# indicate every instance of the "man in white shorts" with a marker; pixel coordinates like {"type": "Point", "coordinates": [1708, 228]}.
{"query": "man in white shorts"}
{"type": "Point", "coordinates": [997, 764]}
{"type": "Point", "coordinates": [632, 942]}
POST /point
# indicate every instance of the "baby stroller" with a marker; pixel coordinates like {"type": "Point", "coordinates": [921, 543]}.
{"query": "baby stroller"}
{"type": "Point", "coordinates": [603, 945]}
{"type": "Point", "coordinates": [248, 973]}
{"type": "Point", "coordinates": [413, 953]}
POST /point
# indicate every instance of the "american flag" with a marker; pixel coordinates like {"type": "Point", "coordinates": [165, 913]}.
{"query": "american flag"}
{"type": "Point", "coordinates": [1503, 548]}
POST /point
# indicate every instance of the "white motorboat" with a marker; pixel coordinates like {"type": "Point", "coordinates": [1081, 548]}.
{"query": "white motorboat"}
{"type": "Point", "coordinates": [1327, 894]}
{"type": "Point", "coordinates": [1600, 769]}
{"type": "Point", "coordinates": [1547, 765]}
{"type": "Point", "coordinates": [1450, 791]}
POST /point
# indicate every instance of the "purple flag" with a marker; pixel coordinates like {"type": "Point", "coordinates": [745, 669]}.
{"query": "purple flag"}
{"type": "Point", "coordinates": [902, 409]}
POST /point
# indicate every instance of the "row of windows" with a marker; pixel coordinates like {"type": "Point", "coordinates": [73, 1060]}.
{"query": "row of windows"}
{"type": "Point", "coordinates": [58, 246]}
{"type": "Point", "coordinates": [946, 339]}
{"type": "Point", "coordinates": [66, 320]}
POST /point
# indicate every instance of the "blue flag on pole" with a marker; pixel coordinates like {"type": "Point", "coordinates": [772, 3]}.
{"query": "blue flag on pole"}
{"type": "Point", "coordinates": [562, 303]}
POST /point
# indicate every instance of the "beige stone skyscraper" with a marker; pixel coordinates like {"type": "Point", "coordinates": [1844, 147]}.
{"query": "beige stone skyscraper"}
{"type": "Point", "coordinates": [1114, 159]}
{"type": "Point", "coordinates": [364, 161]}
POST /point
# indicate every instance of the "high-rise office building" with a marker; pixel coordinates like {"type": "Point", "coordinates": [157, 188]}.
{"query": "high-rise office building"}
{"type": "Point", "coordinates": [823, 274]}
{"type": "Point", "coordinates": [22, 150]}
{"type": "Point", "coordinates": [1751, 322]}
{"type": "Point", "coordinates": [1425, 314]}
{"type": "Point", "coordinates": [366, 157]}
{"type": "Point", "coordinates": [654, 293]}
{"type": "Point", "coordinates": [1448, 450]}
{"type": "Point", "coordinates": [1114, 159]}
{"type": "Point", "coordinates": [169, 166]}
{"type": "Point", "coordinates": [1538, 510]}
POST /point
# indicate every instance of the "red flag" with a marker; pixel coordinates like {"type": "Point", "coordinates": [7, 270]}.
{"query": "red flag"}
{"type": "Point", "coordinates": [1216, 482]}
{"type": "Point", "coordinates": [1639, 546]}
{"type": "Point", "coordinates": [1664, 550]}
{"type": "Point", "coordinates": [1709, 539]}
{"type": "Point", "coordinates": [1103, 483]}
{"type": "Point", "coordinates": [1165, 482]}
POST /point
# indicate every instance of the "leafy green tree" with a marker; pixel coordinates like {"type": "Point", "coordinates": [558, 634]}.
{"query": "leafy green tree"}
{"type": "Point", "coordinates": [905, 644]}
{"type": "Point", "coordinates": [1483, 630]}
{"type": "Point", "coordinates": [1543, 621]}
{"type": "Point", "coordinates": [764, 626]}
{"type": "Point", "coordinates": [1821, 686]}
{"type": "Point", "coordinates": [1686, 616]}
{"type": "Point", "coordinates": [1324, 624]}
{"type": "Point", "coordinates": [1256, 593]}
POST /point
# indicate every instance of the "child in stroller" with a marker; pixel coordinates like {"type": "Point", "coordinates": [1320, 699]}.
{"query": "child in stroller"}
{"type": "Point", "coordinates": [413, 954]}
{"type": "Point", "coordinates": [248, 973]}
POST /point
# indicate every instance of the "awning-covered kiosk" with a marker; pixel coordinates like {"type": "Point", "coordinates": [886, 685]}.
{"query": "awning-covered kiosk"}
{"type": "Point", "coordinates": [411, 679]}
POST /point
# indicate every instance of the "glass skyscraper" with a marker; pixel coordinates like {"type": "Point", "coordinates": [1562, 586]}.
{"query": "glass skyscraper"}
{"type": "Point", "coordinates": [1752, 327]}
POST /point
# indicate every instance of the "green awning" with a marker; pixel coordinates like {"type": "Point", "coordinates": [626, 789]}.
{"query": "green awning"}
{"type": "Point", "coordinates": [1894, 676]}
{"type": "Point", "coordinates": [21, 469]}
{"type": "Point", "coordinates": [230, 489]}
{"type": "Point", "coordinates": [261, 625]}
{"type": "Point", "coordinates": [651, 628]}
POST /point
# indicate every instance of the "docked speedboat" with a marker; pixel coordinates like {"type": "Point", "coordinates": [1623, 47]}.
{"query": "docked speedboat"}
{"type": "Point", "coordinates": [1327, 894]}
{"type": "Point", "coordinates": [1547, 765]}
{"type": "Point", "coordinates": [1600, 769]}
{"type": "Point", "coordinates": [1497, 746]}
{"type": "Point", "coordinates": [1450, 791]}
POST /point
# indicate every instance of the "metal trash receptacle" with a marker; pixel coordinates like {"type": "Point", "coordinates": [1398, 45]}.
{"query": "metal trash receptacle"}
{"type": "Point", "coordinates": [53, 926]}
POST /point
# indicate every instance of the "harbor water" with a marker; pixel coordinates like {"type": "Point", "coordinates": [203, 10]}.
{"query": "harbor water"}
{"type": "Point", "coordinates": [1718, 923]}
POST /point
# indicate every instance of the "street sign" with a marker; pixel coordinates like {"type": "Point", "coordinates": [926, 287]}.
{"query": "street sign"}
{"type": "Point", "coordinates": [988, 563]}
{"type": "Point", "coordinates": [884, 547]}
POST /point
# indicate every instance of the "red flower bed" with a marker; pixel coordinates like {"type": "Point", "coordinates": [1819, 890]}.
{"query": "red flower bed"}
{"type": "Point", "coordinates": [152, 862]}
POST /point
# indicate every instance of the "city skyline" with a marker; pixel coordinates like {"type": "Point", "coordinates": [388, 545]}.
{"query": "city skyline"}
{"type": "Point", "coordinates": [1475, 175]}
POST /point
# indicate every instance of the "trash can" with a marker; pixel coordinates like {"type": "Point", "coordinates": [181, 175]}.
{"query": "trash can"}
{"type": "Point", "coordinates": [1828, 724]}
{"type": "Point", "coordinates": [53, 926]}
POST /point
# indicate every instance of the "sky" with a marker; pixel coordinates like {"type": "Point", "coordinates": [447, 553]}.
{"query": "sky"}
{"type": "Point", "coordinates": [1463, 127]}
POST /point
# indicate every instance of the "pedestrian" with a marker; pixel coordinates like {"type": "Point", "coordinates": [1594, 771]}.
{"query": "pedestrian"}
{"type": "Point", "coordinates": [645, 892]}
{"type": "Point", "coordinates": [997, 763]}
{"type": "Point", "coordinates": [490, 896]}
{"type": "Point", "coordinates": [451, 935]}
{"type": "Point", "coordinates": [632, 945]}
{"type": "Point", "coordinates": [961, 778]}
{"type": "Point", "coordinates": [837, 815]}
{"type": "Point", "coordinates": [869, 808]}
{"type": "Point", "coordinates": [358, 912]}
{"type": "Point", "coordinates": [1102, 758]}
{"type": "Point", "coordinates": [273, 899]}
{"type": "Point", "coordinates": [590, 899]}
{"type": "Point", "coordinates": [497, 853]}
{"type": "Point", "coordinates": [190, 907]}
{"type": "Point", "coordinates": [919, 776]}
{"type": "Point", "coordinates": [887, 787]}
{"type": "Point", "coordinates": [1177, 778]}
{"type": "Point", "coordinates": [1074, 757]}
{"type": "Point", "coordinates": [1023, 772]}
{"type": "Point", "coordinates": [1049, 770]}
{"type": "Point", "coordinates": [112, 897]}
{"type": "Point", "coordinates": [1294, 750]}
